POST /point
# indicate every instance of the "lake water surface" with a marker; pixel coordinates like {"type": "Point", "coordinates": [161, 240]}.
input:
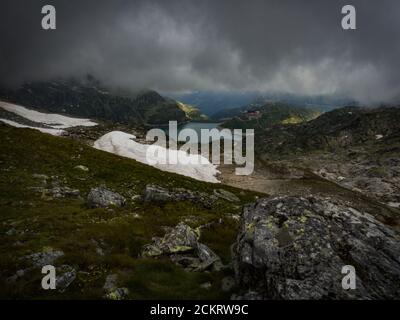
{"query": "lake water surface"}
{"type": "Point", "coordinates": [196, 126]}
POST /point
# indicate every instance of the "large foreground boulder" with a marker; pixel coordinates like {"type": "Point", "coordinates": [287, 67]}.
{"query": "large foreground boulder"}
{"type": "Point", "coordinates": [295, 248]}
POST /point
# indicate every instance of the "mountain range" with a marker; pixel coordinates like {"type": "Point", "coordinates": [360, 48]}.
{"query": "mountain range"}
{"type": "Point", "coordinates": [324, 194]}
{"type": "Point", "coordinates": [89, 98]}
{"type": "Point", "coordinates": [219, 104]}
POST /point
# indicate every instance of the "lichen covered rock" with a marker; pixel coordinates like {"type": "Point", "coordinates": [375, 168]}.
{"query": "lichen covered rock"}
{"type": "Point", "coordinates": [101, 197]}
{"type": "Point", "coordinates": [182, 245]}
{"type": "Point", "coordinates": [295, 248]}
{"type": "Point", "coordinates": [157, 194]}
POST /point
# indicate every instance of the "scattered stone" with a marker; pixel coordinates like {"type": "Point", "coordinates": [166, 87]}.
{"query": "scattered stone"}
{"type": "Point", "coordinates": [298, 251]}
{"type": "Point", "coordinates": [20, 273]}
{"type": "Point", "coordinates": [62, 192]}
{"type": "Point", "coordinates": [99, 247]}
{"type": "Point", "coordinates": [12, 279]}
{"type": "Point", "coordinates": [40, 176]}
{"type": "Point", "coordinates": [249, 295]}
{"type": "Point", "coordinates": [65, 276]}
{"type": "Point", "coordinates": [206, 285]}
{"type": "Point", "coordinates": [136, 198]}
{"type": "Point", "coordinates": [156, 194]}
{"type": "Point", "coordinates": [82, 168]}
{"type": "Point", "coordinates": [101, 197]}
{"type": "Point", "coordinates": [208, 258]}
{"type": "Point", "coordinates": [180, 239]}
{"type": "Point", "coordinates": [118, 294]}
{"type": "Point", "coordinates": [182, 245]}
{"type": "Point", "coordinates": [394, 204]}
{"type": "Point", "coordinates": [226, 195]}
{"type": "Point", "coordinates": [161, 195]}
{"type": "Point", "coordinates": [46, 257]}
{"type": "Point", "coordinates": [111, 283]}
{"type": "Point", "coordinates": [11, 232]}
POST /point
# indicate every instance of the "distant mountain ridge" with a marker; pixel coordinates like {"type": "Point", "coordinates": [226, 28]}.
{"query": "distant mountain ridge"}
{"type": "Point", "coordinates": [90, 99]}
{"type": "Point", "coordinates": [259, 116]}
{"type": "Point", "coordinates": [337, 129]}
{"type": "Point", "coordinates": [191, 112]}
{"type": "Point", "coordinates": [212, 103]}
{"type": "Point", "coordinates": [355, 147]}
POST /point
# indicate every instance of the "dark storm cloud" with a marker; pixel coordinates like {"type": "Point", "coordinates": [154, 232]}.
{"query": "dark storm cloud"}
{"type": "Point", "coordinates": [295, 46]}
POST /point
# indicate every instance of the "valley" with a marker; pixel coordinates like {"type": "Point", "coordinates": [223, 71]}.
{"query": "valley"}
{"type": "Point", "coordinates": [117, 228]}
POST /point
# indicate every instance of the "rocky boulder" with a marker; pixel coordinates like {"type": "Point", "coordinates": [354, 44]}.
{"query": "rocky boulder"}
{"type": "Point", "coordinates": [226, 195]}
{"type": "Point", "coordinates": [158, 194]}
{"type": "Point", "coordinates": [46, 257]}
{"type": "Point", "coordinates": [180, 239]}
{"type": "Point", "coordinates": [295, 248]}
{"type": "Point", "coordinates": [182, 245]}
{"type": "Point", "coordinates": [101, 197]}
{"type": "Point", "coordinates": [65, 276]}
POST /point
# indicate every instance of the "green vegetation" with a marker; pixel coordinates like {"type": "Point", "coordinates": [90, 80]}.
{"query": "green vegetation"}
{"type": "Point", "coordinates": [32, 221]}
{"type": "Point", "coordinates": [271, 114]}
{"type": "Point", "coordinates": [191, 112]}
{"type": "Point", "coordinates": [90, 99]}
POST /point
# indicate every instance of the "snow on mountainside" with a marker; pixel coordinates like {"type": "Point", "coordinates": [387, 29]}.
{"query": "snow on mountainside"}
{"type": "Point", "coordinates": [50, 119]}
{"type": "Point", "coordinates": [194, 166]}
{"type": "Point", "coordinates": [54, 132]}
{"type": "Point", "coordinates": [117, 142]}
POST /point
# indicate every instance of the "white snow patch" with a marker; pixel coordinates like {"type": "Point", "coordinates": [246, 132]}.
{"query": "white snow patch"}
{"type": "Point", "coordinates": [194, 166]}
{"type": "Point", "coordinates": [51, 119]}
{"type": "Point", "coordinates": [54, 132]}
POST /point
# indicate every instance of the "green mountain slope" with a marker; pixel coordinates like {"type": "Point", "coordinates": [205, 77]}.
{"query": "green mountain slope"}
{"type": "Point", "coordinates": [358, 148]}
{"type": "Point", "coordinates": [98, 242]}
{"type": "Point", "coordinates": [191, 112]}
{"type": "Point", "coordinates": [88, 98]}
{"type": "Point", "coordinates": [270, 114]}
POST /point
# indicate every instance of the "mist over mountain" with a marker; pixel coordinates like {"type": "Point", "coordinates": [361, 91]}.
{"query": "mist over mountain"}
{"type": "Point", "coordinates": [88, 97]}
{"type": "Point", "coordinates": [220, 104]}
{"type": "Point", "coordinates": [87, 193]}
{"type": "Point", "coordinates": [297, 47]}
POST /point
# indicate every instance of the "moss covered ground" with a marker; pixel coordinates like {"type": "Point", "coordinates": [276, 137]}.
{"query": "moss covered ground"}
{"type": "Point", "coordinates": [99, 242]}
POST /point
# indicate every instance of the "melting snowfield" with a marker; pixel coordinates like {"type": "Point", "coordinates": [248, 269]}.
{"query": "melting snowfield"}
{"type": "Point", "coordinates": [120, 143]}
{"type": "Point", "coordinates": [54, 121]}
{"type": "Point", "coordinates": [54, 132]}
{"type": "Point", "coordinates": [194, 166]}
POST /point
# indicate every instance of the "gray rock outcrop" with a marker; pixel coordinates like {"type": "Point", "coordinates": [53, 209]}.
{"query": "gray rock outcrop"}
{"type": "Point", "coordinates": [295, 248]}
{"type": "Point", "coordinates": [182, 245]}
{"type": "Point", "coordinates": [158, 194]}
{"type": "Point", "coordinates": [101, 197]}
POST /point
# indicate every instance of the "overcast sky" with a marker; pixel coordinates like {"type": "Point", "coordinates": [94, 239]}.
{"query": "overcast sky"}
{"type": "Point", "coordinates": [172, 46]}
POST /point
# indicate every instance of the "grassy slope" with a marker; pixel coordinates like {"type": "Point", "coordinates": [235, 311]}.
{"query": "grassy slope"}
{"type": "Point", "coordinates": [68, 225]}
{"type": "Point", "coordinates": [191, 112]}
{"type": "Point", "coordinates": [273, 114]}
